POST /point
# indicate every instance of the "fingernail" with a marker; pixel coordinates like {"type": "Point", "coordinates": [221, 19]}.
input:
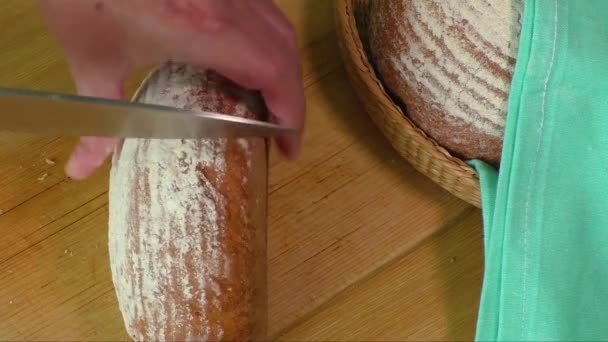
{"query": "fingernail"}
{"type": "Point", "coordinates": [295, 152]}
{"type": "Point", "coordinates": [71, 168]}
{"type": "Point", "coordinates": [290, 148]}
{"type": "Point", "coordinates": [74, 167]}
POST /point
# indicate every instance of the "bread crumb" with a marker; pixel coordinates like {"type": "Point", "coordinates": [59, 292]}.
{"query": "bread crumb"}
{"type": "Point", "coordinates": [49, 161]}
{"type": "Point", "coordinates": [1, 211]}
{"type": "Point", "coordinates": [43, 177]}
{"type": "Point", "coordinates": [10, 302]}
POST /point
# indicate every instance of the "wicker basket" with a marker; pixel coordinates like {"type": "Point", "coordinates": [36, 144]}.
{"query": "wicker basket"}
{"type": "Point", "coordinates": [432, 160]}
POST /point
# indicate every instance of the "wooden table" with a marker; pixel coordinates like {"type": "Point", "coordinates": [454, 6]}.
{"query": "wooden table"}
{"type": "Point", "coordinates": [362, 247]}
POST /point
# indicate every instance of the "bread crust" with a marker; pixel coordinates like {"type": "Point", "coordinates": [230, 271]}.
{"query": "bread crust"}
{"type": "Point", "coordinates": [449, 64]}
{"type": "Point", "coordinates": [187, 232]}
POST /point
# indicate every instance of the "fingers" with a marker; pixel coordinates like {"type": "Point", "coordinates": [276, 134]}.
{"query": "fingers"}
{"type": "Point", "coordinates": [250, 42]}
{"type": "Point", "coordinates": [269, 11]}
{"type": "Point", "coordinates": [89, 155]}
{"type": "Point", "coordinates": [92, 152]}
{"type": "Point", "coordinates": [289, 145]}
{"type": "Point", "coordinates": [255, 54]}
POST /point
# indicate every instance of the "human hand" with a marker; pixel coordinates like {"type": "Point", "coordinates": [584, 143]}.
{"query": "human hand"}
{"type": "Point", "coordinates": [249, 41]}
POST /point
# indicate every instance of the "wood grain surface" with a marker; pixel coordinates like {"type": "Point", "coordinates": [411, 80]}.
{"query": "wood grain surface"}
{"type": "Point", "coordinates": [361, 247]}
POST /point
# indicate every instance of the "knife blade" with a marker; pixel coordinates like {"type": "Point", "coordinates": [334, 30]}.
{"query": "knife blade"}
{"type": "Point", "coordinates": [42, 112]}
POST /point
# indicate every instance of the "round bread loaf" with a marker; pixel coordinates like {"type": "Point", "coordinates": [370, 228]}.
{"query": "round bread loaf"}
{"type": "Point", "coordinates": [187, 220]}
{"type": "Point", "coordinates": [450, 65]}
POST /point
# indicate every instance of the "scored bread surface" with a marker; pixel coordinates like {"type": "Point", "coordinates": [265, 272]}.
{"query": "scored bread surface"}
{"type": "Point", "coordinates": [182, 241]}
{"type": "Point", "coordinates": [451, 64]}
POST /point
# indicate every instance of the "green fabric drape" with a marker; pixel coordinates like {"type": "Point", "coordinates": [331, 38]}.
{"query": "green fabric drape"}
{"type": "Point", "coordinates": [546, 211]}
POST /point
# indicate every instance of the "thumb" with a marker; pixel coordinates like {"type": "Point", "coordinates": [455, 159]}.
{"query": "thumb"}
{"type": "Point", "coordinates": [91, 152]}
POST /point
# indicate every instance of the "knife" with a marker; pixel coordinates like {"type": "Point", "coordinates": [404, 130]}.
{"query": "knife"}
{"type": "Point", "coordinates": [65, 114]}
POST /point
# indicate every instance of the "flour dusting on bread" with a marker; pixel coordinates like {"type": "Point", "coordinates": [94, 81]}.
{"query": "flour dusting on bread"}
{"type": "Point", "coordinates": [168, 249]}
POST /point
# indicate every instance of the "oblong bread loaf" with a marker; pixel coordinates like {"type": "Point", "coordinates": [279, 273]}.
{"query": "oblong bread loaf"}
{"type": "Point", "coordinates": [187, 221]}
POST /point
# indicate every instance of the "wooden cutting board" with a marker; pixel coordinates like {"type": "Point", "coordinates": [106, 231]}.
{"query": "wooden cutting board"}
{"type": "Point", "coordinates": [362, 247]}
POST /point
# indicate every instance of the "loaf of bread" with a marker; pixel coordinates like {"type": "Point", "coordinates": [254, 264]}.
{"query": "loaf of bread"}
{"type": "Point", "coordinates": [449, 64]}
{"type": "Point", "coordinates": [187, 220]}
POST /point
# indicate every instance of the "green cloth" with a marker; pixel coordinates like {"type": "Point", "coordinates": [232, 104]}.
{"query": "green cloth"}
{"type": "Point", "coordinates": [546, 211]}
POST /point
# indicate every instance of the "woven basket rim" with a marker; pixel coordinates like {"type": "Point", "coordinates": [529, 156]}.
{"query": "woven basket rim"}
{"type": "Point", "coordinates": [450, 172]}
